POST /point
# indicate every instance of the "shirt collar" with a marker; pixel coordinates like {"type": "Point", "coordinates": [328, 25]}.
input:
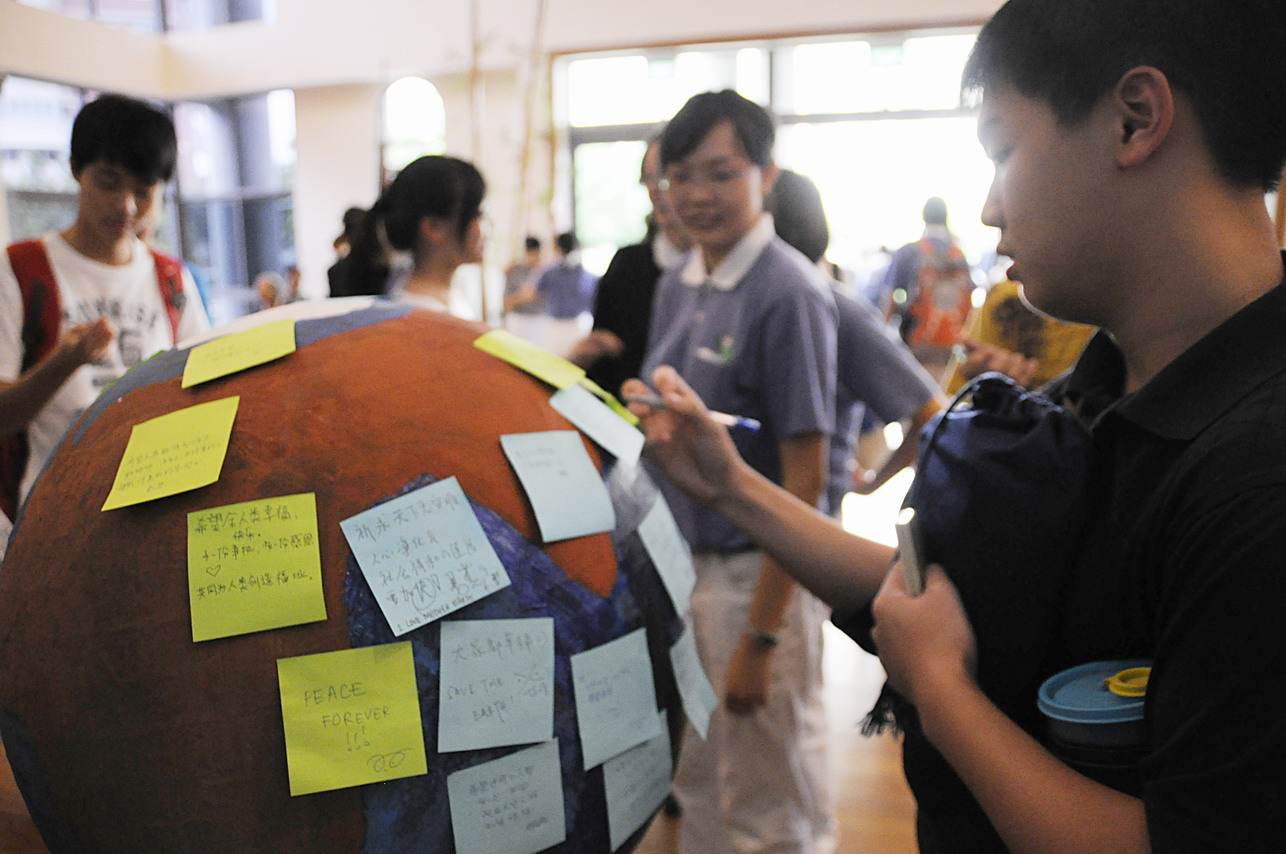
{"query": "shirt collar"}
{"type": "Point", "coordinates": [739, 261]}
{"type": "Point", "coordinates": [1199, 386]}
{"type": "Point", "coordinates": [665, 253]}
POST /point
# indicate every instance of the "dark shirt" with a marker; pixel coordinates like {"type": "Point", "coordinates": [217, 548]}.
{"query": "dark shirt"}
{"type": "Point", "coordinates": [623, 307]}
{"type": "Point", "coordinates": [1181, 563]}
{"type": "Point", "coordinates": [1184, 565]}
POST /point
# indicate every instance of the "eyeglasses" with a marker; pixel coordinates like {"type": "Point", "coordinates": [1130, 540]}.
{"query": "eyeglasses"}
{"type": "Point", "coordinates": [718, 180]}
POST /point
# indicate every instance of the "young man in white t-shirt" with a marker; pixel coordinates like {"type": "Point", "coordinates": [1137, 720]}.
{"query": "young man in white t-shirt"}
{"type": "Point", "coordinates": [115, 306]}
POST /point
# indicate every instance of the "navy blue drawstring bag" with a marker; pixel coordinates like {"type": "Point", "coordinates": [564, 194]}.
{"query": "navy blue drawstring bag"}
{"type": "Point", "coordinates": [1000, 494]}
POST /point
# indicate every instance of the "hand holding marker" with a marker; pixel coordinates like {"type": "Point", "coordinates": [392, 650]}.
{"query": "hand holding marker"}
{"type": "Point", "coordinates": [655, 401]}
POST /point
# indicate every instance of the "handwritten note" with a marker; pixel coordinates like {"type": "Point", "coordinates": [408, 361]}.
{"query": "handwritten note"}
{"type": "Point", "coordinates": [497, 684]}
{"type": "Point", "coordinates": [174, 453]}
{"type": "Point", "coordinates": [254, 566]}
{"type": "Point", "coordinates": [424, 555]}
{"type": "Point", "coordinates": [351, 717]}
{"type": "Point", "coordinates": [636, 782]}
{"type": "Point", "coordinates": [600, 423]}
{"type": "Point", "coordinates": [669, 553]}
{"type": "Point", "coordinates": [566, 492]}
{"type": "Point", "coordinates": [512, 805]}
{"type": "Point", "coordinates": [699, 700]}
{"type": "Point", "coordinates": [238, 351]}
{"type": "Point", "coordinates": [523, 354]}
{"type": "Point", "coordinates": [615, 697]}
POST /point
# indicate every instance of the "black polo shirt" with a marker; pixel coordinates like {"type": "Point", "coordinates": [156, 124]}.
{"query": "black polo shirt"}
{"type": "Point", "coordinates": [1184, 563]}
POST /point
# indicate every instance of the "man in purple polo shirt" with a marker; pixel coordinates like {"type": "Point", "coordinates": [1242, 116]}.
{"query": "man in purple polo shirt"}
{"type": "Point", "coordinates": [750, 323]}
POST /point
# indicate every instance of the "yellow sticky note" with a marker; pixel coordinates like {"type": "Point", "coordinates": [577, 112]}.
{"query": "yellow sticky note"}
{"type": "Point", "coordinates": [254, 566]}
{"type": "Point", "coordinates": [351, 717]}
{"type": "Point", "coordinates": [239, 351]}
{"type": "Point", "coordinates": [538, 362]}
{"type": "Point", "coordinates": [610, 399]}
{"type": "Point", "coordinates": [174, 453]}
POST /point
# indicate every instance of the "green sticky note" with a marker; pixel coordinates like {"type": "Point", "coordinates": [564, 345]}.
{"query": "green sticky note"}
{"type": "Point", "coordinates": [174, 453]}
{"type": "Point", "coordinates": [351, 717]}
{"type": "Point", "coordinates": [538, 362]}
{"type": "Point", "coordinates": [611, 401]}
{"type": "Point", "coordinates": [239, 351]}
{"type": "Point", "coordinates": [254, 566]}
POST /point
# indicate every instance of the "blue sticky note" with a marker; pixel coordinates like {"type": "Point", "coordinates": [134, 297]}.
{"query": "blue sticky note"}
{"type": "Point", "coordinates": [669, 552]}
{"type": "Point", "coordinates": [564, 487]}
{"type": "Point", "coordinates": [635, 783]}
{"type": "Point", "coordinates": [699, 699]}
{"type": "Point", "coordinates": [610, 431]}
{"type": "Point", "coordinates": [497, 684]}
{"type": "Point", "coordinates": [512, 805]}
{"type": "Point", "coordinates": [615, 697]}
{"type": "Point", "coordinates": [424, 555]}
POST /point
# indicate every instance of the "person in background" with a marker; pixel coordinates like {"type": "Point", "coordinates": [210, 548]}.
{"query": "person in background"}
{"type": "Point", "coordinates": [613, 351]}
{"type": "Point", "coordinates": [565, 293]}
{"type": "Point", "coordinates": [752, 323]}
{"type": "Point", "coordinates": [521, 303]}
{"type": "Point", "coordinates": [94, 296]}
{"type": "Point", "coordinates": [875, 370]}
{"type": "Point", "coordinates": [269, 287]}
{"type": "Point", "coordinates": [1011, 337]}
{"type": "Point", "coordinates": [336, 274]}
{"type": "Point", "coordinates": [1134, 142]}
{"type": "Point", "coordinates": [433, 211]}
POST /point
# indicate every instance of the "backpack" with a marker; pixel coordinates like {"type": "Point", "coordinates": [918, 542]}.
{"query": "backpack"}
{"type": "Point", "coordinates": [41, 323]}
{"type": "Point", "coordinates": [939, 301]}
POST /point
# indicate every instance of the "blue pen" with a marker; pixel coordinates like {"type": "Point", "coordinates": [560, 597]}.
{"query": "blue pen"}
{"type": "Point", "coordinates": [723, 418]}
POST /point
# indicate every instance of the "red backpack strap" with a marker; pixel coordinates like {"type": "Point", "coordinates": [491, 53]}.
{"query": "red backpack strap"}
{"type": "Point", "coordinates": [41, 319]}
{"type": "Point", "coordinates": [41, 309]}
{"type": "Point", "coordinates": [169, 277]}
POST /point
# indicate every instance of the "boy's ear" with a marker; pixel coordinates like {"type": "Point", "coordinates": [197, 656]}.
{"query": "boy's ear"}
{"type": "Point", "coordinates": [1144, 104]}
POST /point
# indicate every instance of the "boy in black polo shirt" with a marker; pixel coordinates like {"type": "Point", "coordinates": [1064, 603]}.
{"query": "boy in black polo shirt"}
{"type": "Point", "coordinates": [1133, 142]}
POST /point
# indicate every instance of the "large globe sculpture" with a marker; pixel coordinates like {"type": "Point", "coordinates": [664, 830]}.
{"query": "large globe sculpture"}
{"type": "Point", "coordinates": [126, 735]}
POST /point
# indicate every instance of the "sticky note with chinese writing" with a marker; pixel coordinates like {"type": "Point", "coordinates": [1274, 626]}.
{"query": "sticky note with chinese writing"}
{"type": "Point", "coordinates": [174, 453]}
{"type": "Point", "coordinates": [512, 805]}
{"type": "Point", "coordinates": [615, 697]}
{"type": "Point", "coordinates": [523, 354]}
{"type": "Point", "coordinates": [564, 488]}
{"type": "Point", "coordinates": [599, 422]}
{"type": "Point", "coordinates": [669, 552]}
{"type": "Point", "coordinates": [424, 555]}
{"type": "Point", "coordinates": [699, 700]}
{"type": "Point", "coordinates": [254, 566]}
{"type": "Point", "coordinates": [351, 717]}
{"type": "Point", "coordinates": [238, 351]}
{"type": "Point", "coordinates": [497, 685]}
{"type": "Point", "coordinates": [636, 782]}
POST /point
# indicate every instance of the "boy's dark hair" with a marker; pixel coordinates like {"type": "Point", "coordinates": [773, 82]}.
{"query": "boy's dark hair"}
{"type": "Point", "coordinates": [751, 123]}
{"type": "Point", "coordinates": [566, 242]}
{"type": "Point", "coordinates": [1225, 56]}
{"type": "Point", "coordinates": [531, 242]}
{"type": "Point", "coordinates": [128, 133]}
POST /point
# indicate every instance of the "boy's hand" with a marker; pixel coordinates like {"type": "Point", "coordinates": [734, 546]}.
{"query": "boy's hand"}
{"type": "Point", "coordinates": [87, 342]}
{"type": "Point", "coordinates": [923, 640]}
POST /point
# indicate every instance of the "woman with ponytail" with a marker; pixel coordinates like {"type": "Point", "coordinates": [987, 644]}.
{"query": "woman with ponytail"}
{"type": "Point", "coordinates": [432, 210]}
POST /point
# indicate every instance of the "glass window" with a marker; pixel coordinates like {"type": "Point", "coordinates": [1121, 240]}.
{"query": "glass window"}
{"type": "Point", "coordinates": [207, 149]}
{"type": "Point", "coordinates": [35, 133]}
{"type": "Point", "coordinates": [202, 14]}
{"type": "Point", "coordinates": [640, 89]}
{"type": "Point", "coordinates": [611, 204]}
{"type": "Point", "coordinates": [414, 123]}
{"type": "Point", "coordinates": [72, 8]}
{"type": "Point", "coordinates": [143, 16]}
{"type": "Point", "coordinates": [874, 177]}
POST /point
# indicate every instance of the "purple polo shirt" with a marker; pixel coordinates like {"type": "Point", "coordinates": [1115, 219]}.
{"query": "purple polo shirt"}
{"type": "Point", "coordinates": [755, 338]}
